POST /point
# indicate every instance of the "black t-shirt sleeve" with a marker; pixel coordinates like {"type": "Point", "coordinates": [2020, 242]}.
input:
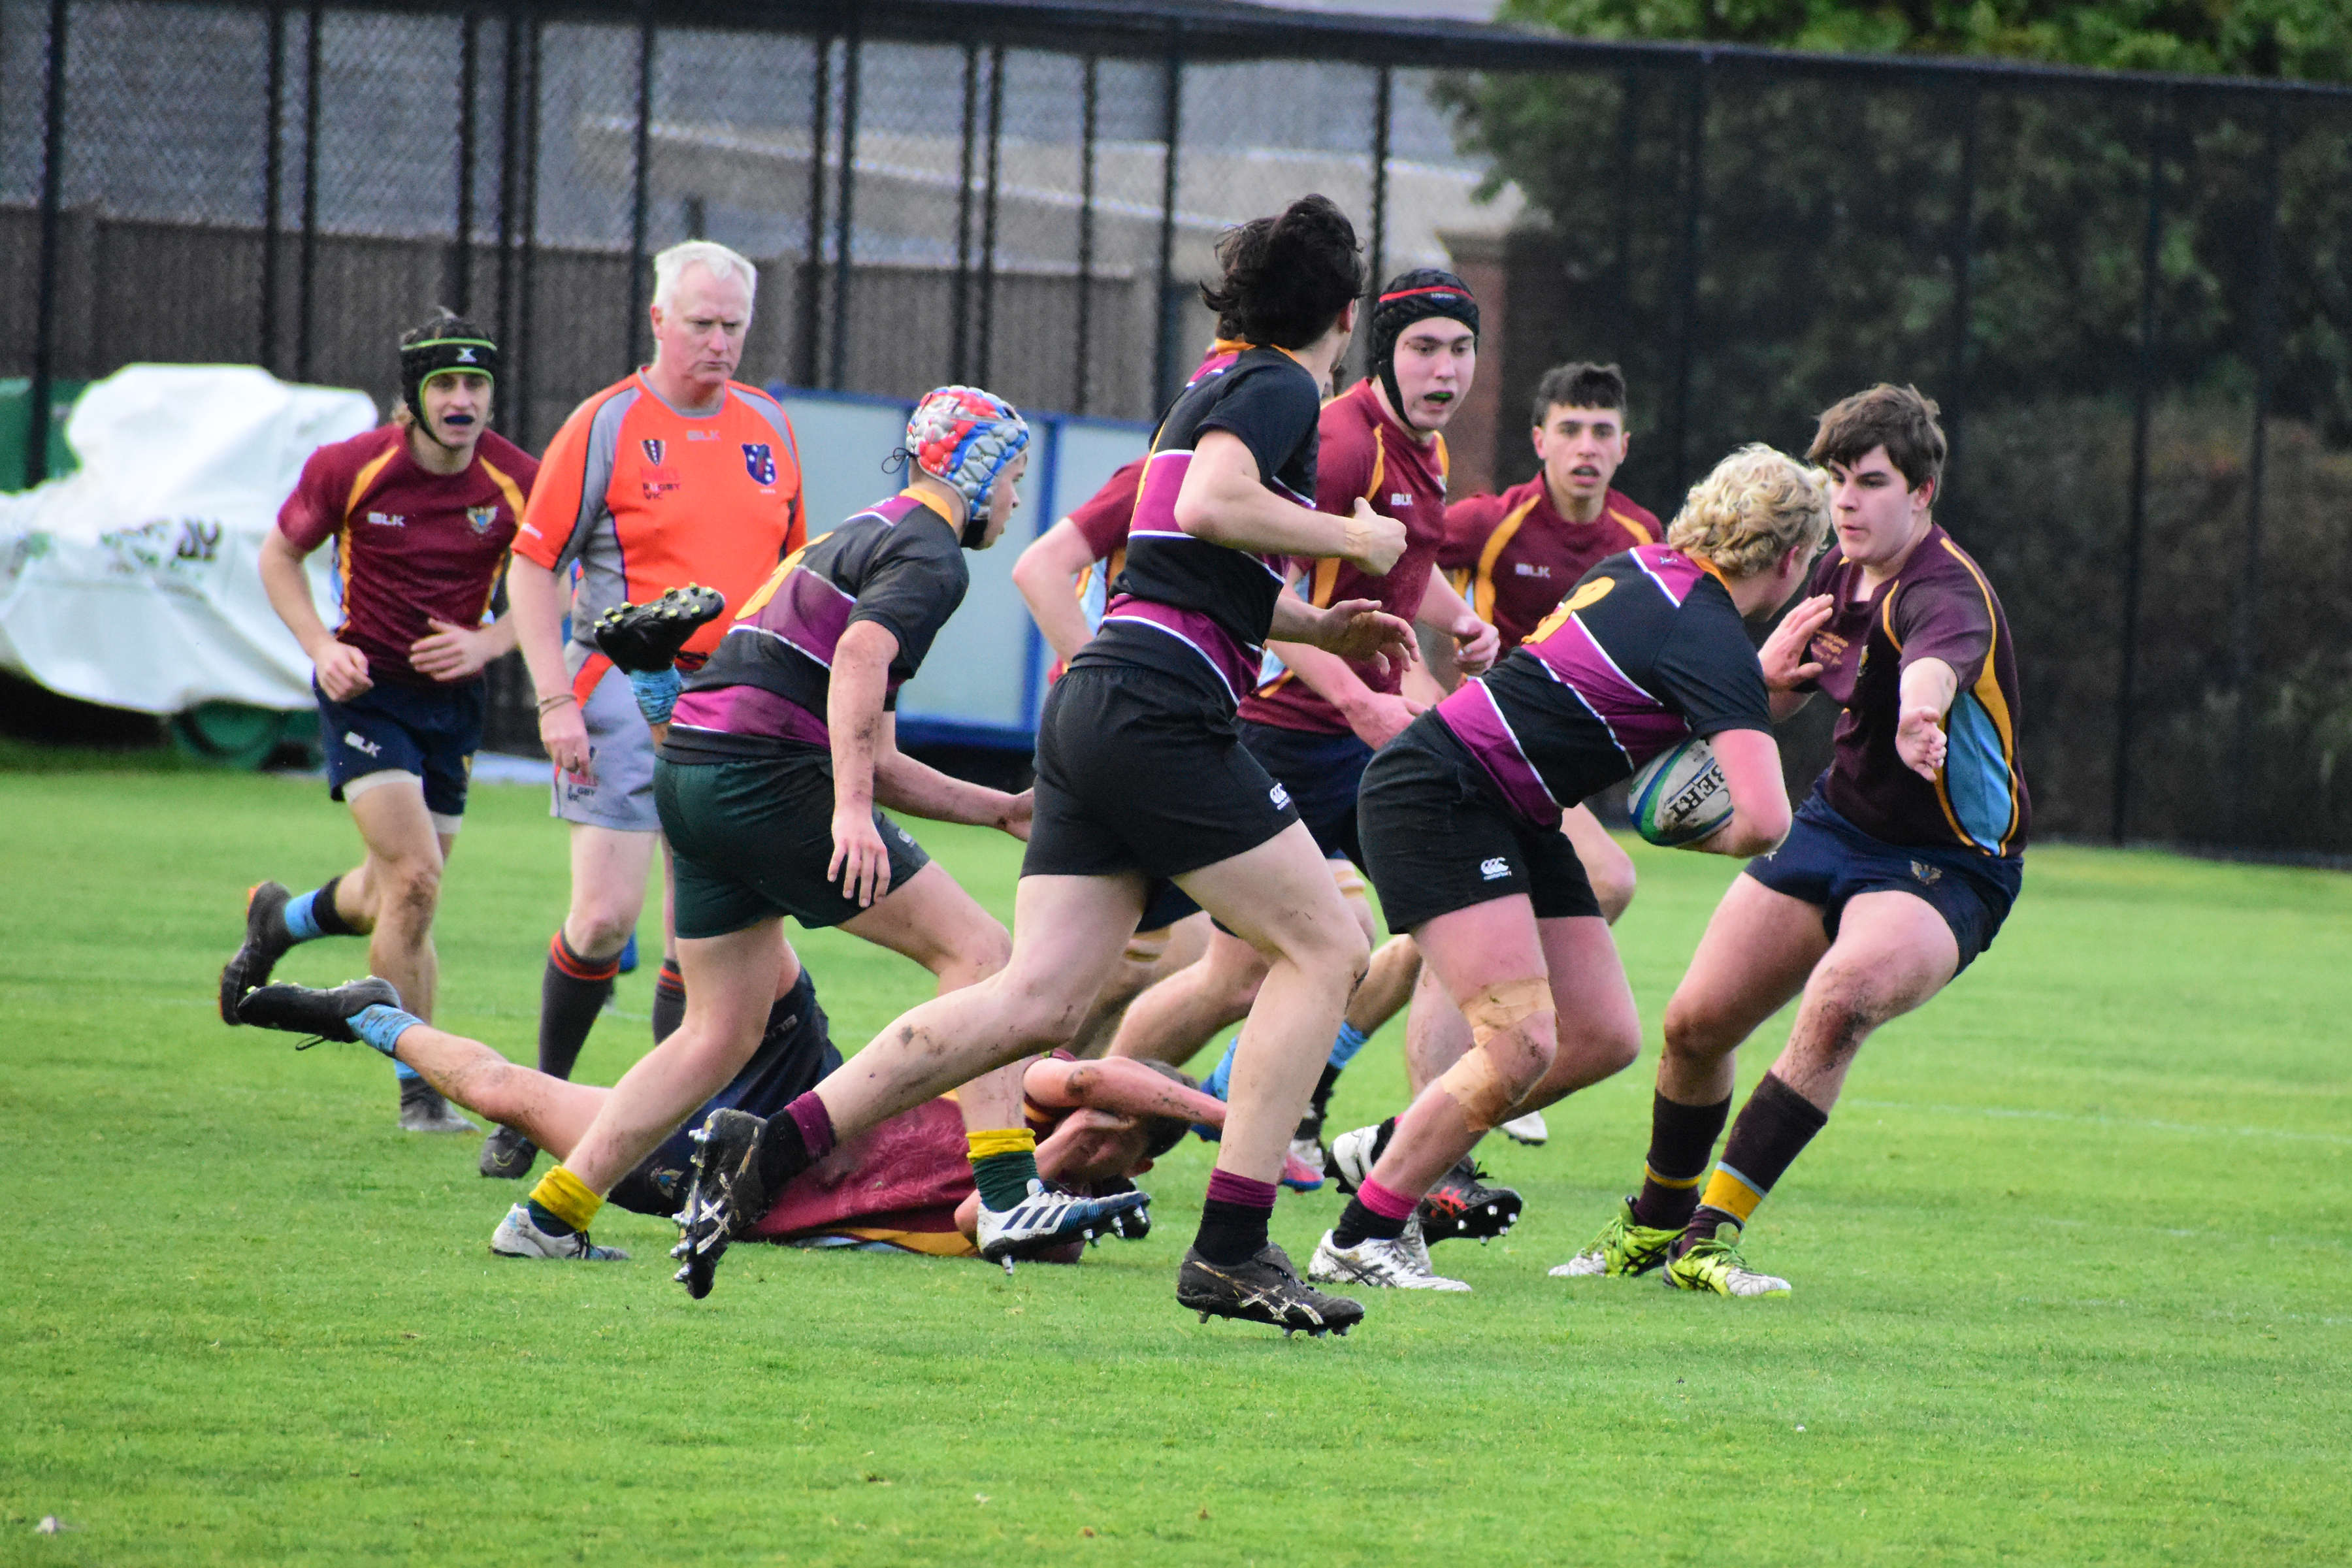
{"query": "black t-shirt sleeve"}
{"type": "Point", "coordinates": [1707, 668]}
{"type": "Point", "coordinates": [914, 582]}
{"type": "Point", "coordinates": [1272, 409]}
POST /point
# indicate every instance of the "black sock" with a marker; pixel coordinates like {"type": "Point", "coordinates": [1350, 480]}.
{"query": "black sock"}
{"type": "Point", "coordinates": [669, 1001]}
{"type": "Point", "coordinates": [1682, 1137]}
{"type": "Point", "coordinates": [1323, 1088]}
{"type": "Point", "coordinates": [1359, 1224]}
{"type": "Point", "coordinates": [1232, 1219]}
{"type": "Point", "coordinates": [323, 915]}
{"type": "Point", "coordinates": [570, 993]}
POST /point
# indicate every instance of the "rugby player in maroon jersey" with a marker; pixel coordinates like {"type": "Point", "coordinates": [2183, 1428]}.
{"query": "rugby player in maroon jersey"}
{"type": "Point", "coordinates": [1903, 863]}
{"type": "Point", "coordinates": [422, 510]}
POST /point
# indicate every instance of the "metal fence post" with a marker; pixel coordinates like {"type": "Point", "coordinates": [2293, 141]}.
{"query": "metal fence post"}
{"type": "Point", "coordinates": [469, 50]}
{"type": "Point", "coordinates": [45, 329]}
{"type": "Point", "coordinates": [641, 156]}
{"type": "Point", "coordinates": [306, 267]}
{"type": "Point", "coordinates": [812, 244]}
{"type": "Point", "coordinates": [984, 359]}
{"type": "Point", "coordinates": [959, 301]}
{"type": "Point", "coordinates": [1960, 258]}
{"type": "Point", "coordinates": [1163, 358]}
{"type": "Point", "coordinates": [2250, 584]}
{"type": "Point", "coordinates": [853, 49]}
{"type": "Point", "coordinates": [1382, 87]}
{"type": "Point", "coordinates": [1686, 264]}
{"type": "Point", "coordinates": [526, 202]}
{"type": "Point", "coordinates": [273, 176]}
{"type": "Point", "coordinates": [2143, 403]}
{"type": "Point", "coordinates": [510, 111]}
{"type": "Point", "coordinates": [1087, 113]}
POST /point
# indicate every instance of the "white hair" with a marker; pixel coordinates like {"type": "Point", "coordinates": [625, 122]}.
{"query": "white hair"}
{"type": "Point", "coordinates": [670, 265]}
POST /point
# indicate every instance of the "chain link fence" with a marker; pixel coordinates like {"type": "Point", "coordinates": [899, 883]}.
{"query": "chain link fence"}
{"type": "Point", "coordinates": [2130, 295]}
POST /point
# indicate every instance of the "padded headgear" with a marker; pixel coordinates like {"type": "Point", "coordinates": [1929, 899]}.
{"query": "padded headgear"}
{"type": "Point", "coordinates": [965, 438]}
{"type": "Point", "coordinates": [1410, 296]}
{"type": "Point", "coordinates": [450, 345]}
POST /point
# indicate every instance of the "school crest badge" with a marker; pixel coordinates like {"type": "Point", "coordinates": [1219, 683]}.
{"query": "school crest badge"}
{"type": "Point", "coordinates": [654, 450]}
{"type": "Point", "coordinates": [483, 518]}
{"type": "Point", "coordinates": [759, 461]}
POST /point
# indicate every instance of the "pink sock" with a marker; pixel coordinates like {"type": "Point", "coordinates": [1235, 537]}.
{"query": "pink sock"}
{"type": "Point", "coordinates": [1383, 1202]}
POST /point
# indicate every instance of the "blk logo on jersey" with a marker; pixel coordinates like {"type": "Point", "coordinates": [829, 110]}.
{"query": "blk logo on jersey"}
{"type": "Point", "coordinates": [388, 519]}
{"type": "Point", "coordinates": [759, 461]}
{"type": "Point", "coordinates": [483, 518]}
{"type": "Point", "coordinates": [654, 450]}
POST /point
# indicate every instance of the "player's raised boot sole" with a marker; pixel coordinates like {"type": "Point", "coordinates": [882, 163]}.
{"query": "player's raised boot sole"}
{"type": "Point", "coordinates": [1265, 1289]}
{"type": "Point", "coordinates": [641, 639]}
{"type": "Point", "coordinates": [264, 945]}
{"type": "Point", "coordinates": [726, 1182]}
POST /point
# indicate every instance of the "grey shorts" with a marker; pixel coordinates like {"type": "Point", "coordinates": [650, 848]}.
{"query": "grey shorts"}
{"type": "Point", "coordinates": [620, 756]}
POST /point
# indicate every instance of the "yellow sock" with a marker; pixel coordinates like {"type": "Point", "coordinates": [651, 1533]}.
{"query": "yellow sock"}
{"type": "Point", "coordinates": [1000, 1141]}
{"type": "Point", "coordinates": [1728, 1190]}
{"type": "Point", "coordinates": [567, 1197]}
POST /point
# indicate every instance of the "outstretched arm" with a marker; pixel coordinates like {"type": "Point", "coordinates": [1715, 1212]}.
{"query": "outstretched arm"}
{"type": "Point", "coordinates": [1117, 1084]}
{"type": "Point", "coordinates": [902, 783]}
{"type": "Point", "coordinates": [1928, 686]}
{"type": "Point", "coordinates": [1225, 502]}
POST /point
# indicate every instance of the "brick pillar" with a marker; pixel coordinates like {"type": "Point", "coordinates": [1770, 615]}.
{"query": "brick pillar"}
{"type": "Point", "coordinates": [1471, 435]}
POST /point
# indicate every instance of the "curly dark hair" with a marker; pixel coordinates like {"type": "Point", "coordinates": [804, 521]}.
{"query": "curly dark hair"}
{"type": "Point", "coordinates": [1288, 277]}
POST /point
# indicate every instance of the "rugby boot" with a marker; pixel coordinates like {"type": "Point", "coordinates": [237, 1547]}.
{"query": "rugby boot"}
{"type": "Point", "coordinates": [1625, 1248]}
{"type": "Point", "coordinates": [1133, 1225]}
{"type": "Point", "coordinates": [643, 638]}
{"type": "Point", "coordinates": [519, 1236]}
{"type": "Point", "coordinates": [1463, 1206]}
{"type": "Point", "coordinates": [506, 1154]}
{"type": "Point", "coordinates": [1046, 1218]}
{"type": "Point", "coordinates": [1392, 1265]}
{"type": "Point", "coordinates": [423, 1108]}
{"type": "Point", "coordinates": [321, 1015]}
{"type": "Point", "coordinates": [1265, 1289]}
{"type": "Point", "coordinates": [265, 941]}
{"type": "Point", "coordinates": [1353, 1154]}
{"type": "Point", "coordinates": [1308, 1161]}
{"type": "Point", "coordinates": [1528, 1130]}
{"type": "Point", "coordinates": [1714, 1264]}
{"type": "Point", "coordinates": [725, 1198]}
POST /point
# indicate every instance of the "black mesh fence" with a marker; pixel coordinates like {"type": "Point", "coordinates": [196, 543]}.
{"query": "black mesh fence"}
{"type": "Point", "coordinates": [2130, 295]}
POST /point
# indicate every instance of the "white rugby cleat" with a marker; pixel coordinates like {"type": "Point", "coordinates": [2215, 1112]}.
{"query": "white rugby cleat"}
{"type": "Point", "coordinates": [1392, 1265]}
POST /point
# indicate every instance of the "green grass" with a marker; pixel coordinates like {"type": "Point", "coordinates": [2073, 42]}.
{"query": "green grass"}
{"type": "Point", "coordinates": [2072, 1281]}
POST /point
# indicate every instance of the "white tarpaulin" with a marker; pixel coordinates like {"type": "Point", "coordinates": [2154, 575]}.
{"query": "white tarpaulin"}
{"type": "Point", "coordinates": [134, 581]}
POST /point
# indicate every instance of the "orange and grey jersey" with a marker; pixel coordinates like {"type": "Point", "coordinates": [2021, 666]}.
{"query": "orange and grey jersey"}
{"type": "Point", "coordinates": [646, 499]}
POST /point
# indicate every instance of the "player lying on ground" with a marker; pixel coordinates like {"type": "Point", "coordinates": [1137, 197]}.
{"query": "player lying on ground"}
{"type": "Point", "coordinates": [677, 473]}
{"type": "Point", "coordinates": [768, 779]}
{"type": "Point", "coordinates": [904, 1184]}
{"type": "Point", "coordinates": [1514, 557]}
{"type": "Point", "coordinates": [1315, 721]}
{"type": "Point", "coordinates": [423, 511]}
{"type": "Point", "coordinates": [1461, 822]}
{"type": "Point", "coordinates": [1141, 777]}
{"type": "Point", "coordinates": [1901, 866]}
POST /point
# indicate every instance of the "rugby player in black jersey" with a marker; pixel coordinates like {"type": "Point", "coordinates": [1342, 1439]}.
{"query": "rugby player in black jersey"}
{"type": "Point", "coordinates": [1141, 777]}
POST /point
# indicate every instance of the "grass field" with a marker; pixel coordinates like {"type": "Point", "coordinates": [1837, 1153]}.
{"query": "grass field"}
{"type": "Point", "coordinates": [2071, 1269]}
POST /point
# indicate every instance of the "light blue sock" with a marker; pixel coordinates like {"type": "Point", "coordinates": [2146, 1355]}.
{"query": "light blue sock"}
{"type": "Point", "coordinates": [381, 1025]}
{"type": "Point", "coordinates": [656, 693]}
{"type": "Point", "coordinates": [1344, 1048]}
{"type": "Point", "coordinates": [404, 1072]}
{"type": "Point", "coordinates": [300, 924]}
{"type": "Point", "coordinates": [1221, 1080]}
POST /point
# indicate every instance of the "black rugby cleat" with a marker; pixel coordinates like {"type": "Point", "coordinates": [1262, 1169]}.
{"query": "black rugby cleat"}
{"type": "Point", "coordinates": [643, 639]}
{"type": "Point", "coordinates": [321, 1015]}
{"type": "Point", "coordinates": [266, 942]}
{"type": "Point", "coordinates": [1266, 1290]}
{"type": "Point", "coordinates": [725, 1198]}
{"type": "Point", "coordinates": [1462, 1206]}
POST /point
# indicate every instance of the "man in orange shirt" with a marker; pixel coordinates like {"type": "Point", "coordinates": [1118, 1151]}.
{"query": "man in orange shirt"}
{"type": "Point", "coordinates": [676, 474]}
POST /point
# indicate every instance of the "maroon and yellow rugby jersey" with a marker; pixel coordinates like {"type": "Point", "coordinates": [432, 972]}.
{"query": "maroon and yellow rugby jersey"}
{"type": "Point", "coordinates": [1514, 557]}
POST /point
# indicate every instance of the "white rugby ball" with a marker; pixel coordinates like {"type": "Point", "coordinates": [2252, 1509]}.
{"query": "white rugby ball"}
{"type": "Point", "coordinates": [1679, 796]}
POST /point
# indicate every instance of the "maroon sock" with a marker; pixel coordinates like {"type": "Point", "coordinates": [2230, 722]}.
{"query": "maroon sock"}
{"type": "Point", "coordinates": [1682, 1138]}
{"type": "Point", "coordinates": [669, 1001]}
{"type": "Point", "coordinates": [1232, 1219]}
{"type": "Point", "coordinates": [794, 1141]}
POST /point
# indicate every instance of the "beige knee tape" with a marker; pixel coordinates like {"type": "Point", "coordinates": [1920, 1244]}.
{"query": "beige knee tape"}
{"type": "Point", "coordinates": [1484, 1095]}
{"type": "Point", "coordinates": [1350, 881]}
{"type": "Point", "coordinates": [1148, 946]}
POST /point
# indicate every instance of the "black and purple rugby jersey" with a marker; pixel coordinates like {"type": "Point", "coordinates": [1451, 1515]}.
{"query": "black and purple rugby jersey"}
{"type": "Point", "coordinates": [1182, 605]}
{"type": "Point", "coordinates": [1646, 652]}
{"type": "Point", "coordinates": [897, 563]}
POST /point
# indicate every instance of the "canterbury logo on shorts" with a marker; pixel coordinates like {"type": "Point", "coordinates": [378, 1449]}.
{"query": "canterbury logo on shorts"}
{"type": "Point", "coordinates": [1494, 869]}
{"type": "Point", "coordinates": [1280, 797]}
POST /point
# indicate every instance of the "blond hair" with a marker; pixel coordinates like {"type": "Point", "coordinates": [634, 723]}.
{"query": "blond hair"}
{"type": "Point", "coordinates": [1752, 511]}
{"type": "Point", "coordinates": [713, 258]}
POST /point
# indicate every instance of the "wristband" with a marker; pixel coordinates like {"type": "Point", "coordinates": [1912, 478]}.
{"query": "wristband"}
{"type": "Point", "coordinates": [547, 704]}
{"type": "Point", "coordinates": [656, 692]}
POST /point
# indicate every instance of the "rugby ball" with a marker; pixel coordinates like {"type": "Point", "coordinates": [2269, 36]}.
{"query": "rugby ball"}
{"type": "Point", "coordinates": [1679, 796]}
